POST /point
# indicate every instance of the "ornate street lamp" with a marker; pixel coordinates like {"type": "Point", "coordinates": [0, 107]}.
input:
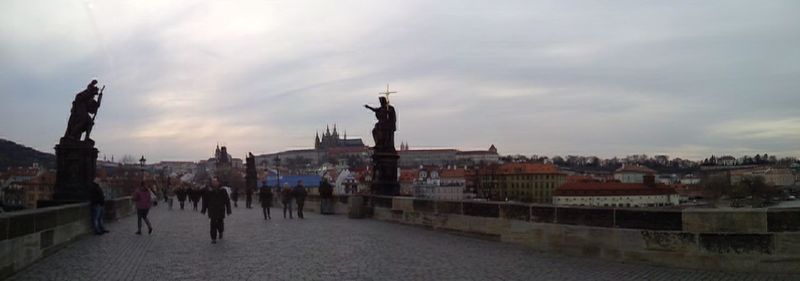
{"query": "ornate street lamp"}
{"type": "Point", "coordinates": [141, 163]}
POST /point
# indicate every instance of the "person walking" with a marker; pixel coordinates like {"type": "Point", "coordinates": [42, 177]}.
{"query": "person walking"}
{"type": "Point", "coordinates": [286, 199]}
{"type": "Point", "coordinates": [326, 197]}
{"type": "Point", "coordinates": [217, 203]}
{"type": "Point", "coordinates": [234, 193]}
{"type": "Point", "coordinates": [97, 201]}
{"type": "Point", "coordinates": [248, 198]}
{"type": "Point", "coordinates": [170, 196]}
{"type": "Point", "coordinates": [194, 195]}
{"type": "Point", "coordinates": [181, 194]}
{"type": "Point", "coordinates": [299, 192]}
{"type": "Point", "coordinates": [143, 200]}
{"type": "Point", "coordinates": [265, 196]}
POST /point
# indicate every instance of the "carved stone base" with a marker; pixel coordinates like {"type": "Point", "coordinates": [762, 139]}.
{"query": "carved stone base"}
{"type": "Point", "coordinates": [76, 164]}
{"type": "Point", "coordinates": [385, 180]}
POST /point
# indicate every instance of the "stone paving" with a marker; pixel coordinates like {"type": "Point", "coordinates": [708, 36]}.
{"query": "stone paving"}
{"type": "Point", "coordinates": [323, 248]}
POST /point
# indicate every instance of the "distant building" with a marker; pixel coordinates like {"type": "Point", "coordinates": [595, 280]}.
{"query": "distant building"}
{"type": "Point", "coordinates": [616, 194]}
{"type": "Point", "coordinates": [445, 157]}
{"type": "Point", "coordinates": [332, 140]}
{"type": "Point", "coordinates": [441, 184]}
{"type": "Point", "coordinates": [526, 182]}
{"type": "Point", "coordinates": [632, 173]}
{"type": "Point", "coordinates": [477, 156]}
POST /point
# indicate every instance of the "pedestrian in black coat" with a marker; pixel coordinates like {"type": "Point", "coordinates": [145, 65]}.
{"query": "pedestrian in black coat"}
{"type": "Point", "coordinates": [248, 198]}
{"type": "Point", "coordinates": [326, 197]}
{"type": "Point", "coordinates": [217, 204]}
{"type": "Point", "coordinates": [265, 196]}
{"type": "Point", "coordinates": [299, 192]}
{"type": "Point", "coordinates": [235, 197]}
{"type": "Point", "coordinates": [97, 202]}
{"type": "Point", "coordinates": [181, 194]}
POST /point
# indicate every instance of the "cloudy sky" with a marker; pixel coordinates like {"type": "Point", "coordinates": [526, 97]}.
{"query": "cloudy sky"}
{"type": "Point", "coordinates": [686, 78]}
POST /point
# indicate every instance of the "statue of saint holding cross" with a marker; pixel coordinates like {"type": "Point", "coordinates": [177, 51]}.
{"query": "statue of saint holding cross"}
{"type": "Point", "coordinates": [383, 133]}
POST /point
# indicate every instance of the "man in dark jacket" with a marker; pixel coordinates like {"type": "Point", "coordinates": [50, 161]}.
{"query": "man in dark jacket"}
{"type": "Point", "coordinates": [97, 201]}
{"type": "Point", "coordinates": [299, 193]}
{"type": "Point", "coordinates": [217, 203]}
{"type": "Point", "coordinates": [265, 196]}
{"type": "Point", "coordinates": [181, 194]}
{"type": "Point", "coordinates": [326, 196]}
{"type": "Point", "coordinates": [235, 197]}
{"type": "Point", "coordinates": [248, 199]}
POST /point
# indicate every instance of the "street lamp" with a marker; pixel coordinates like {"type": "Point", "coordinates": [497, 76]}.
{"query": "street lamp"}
{"type": "Point", "coordinates": [141, 163]}
{"type": "Point", "coordinates": [278, 172]}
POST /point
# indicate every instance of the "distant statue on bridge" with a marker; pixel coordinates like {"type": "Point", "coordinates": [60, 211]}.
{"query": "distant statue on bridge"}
{"type": "Point", "coordinates": [80, 120]}
{"type": "Point", "coordinates": [383, 133]}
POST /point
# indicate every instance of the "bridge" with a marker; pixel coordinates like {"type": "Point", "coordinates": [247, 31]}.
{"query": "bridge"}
{"type": "Point", "coordinates": [331, 247]}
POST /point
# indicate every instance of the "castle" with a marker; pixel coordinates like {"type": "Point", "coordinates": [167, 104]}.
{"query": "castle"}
{"type": "Point", "coordinates": [332, 140]}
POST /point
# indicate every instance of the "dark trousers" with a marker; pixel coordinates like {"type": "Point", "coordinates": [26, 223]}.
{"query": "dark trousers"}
{"type": "Point", "coordinates": [217, 226]}
{"type": "Point", "coordinates": [300, 204]}
{"type": "Point", "coordinates": [181, 204]}
{"type": "Point", "coordinates": [248, 201]}
{"type": "Point", "coordinates": [265, 210]}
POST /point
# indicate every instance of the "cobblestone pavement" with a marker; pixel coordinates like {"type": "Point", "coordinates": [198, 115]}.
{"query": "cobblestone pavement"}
{"type": "Point", "coordinates": [322, 248]}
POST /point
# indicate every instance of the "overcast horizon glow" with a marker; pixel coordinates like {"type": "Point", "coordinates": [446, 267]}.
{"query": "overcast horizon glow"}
{"type": "Point", "coordinates": [606, 78]}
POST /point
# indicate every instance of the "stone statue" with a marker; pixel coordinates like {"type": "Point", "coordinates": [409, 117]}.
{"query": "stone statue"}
{"type": "Point", "coordinates": [80, 120]}
{"type": "Point", "coordinates": [384, 156]}
{"type": "Point", "coordinates": [383, 133]}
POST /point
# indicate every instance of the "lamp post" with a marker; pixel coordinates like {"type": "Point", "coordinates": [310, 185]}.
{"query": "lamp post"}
{"type": "Point", "coordinates": [141, 163]}
{"type": "Point", "coordinates": [278, 172]}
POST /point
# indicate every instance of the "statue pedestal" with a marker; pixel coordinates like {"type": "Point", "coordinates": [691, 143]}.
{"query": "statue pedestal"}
{"type": "Point", "coordinates": [385, 180]}
{"type": "Point", "coordinates": [76, 164]}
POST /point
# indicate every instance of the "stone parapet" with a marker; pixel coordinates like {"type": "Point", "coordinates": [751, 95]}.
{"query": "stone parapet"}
{"type": "Point", "coordinates": [752, 240]}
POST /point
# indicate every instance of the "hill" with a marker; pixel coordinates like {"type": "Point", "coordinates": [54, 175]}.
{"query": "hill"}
{"type": "Point", "coordinates": [17, 155]}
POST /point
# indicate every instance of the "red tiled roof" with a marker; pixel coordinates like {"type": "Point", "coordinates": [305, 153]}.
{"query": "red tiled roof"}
{"type": "Point", "coordinates": [579, 178]}
{"type": "Point", "coordinates": [452, 173]}
{"type": "Point", "coordinates": [595, 188]}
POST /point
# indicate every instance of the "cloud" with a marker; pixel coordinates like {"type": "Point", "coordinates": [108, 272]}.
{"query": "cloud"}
{"type": "Point", "coordinates": [547, 77]}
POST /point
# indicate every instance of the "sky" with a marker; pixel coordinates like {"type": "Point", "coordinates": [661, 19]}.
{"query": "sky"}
{"type": "Point", "coordinates": [606, 78]}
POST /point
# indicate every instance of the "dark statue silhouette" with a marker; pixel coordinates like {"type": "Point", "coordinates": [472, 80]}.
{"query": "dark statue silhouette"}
{"type": "Point", "coordinates": [384, 156]}
{"type": "Point", "coordinates": [84, 104]}
{"type": "Point", "coordinates": [383, 133]}
{"type": "Point", "coordinates": [76, 158]}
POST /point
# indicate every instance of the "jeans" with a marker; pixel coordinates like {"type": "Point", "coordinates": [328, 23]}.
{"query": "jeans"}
{"type": "Point", "coordinates": [97, 219]}
{"type": "Point", "coordinates": [287, 205]}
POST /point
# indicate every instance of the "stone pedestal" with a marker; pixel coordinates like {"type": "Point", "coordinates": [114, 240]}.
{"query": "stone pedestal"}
{"type": "Point", "coordinates": [356, 207]}
{"type": "Point", "coordinates": [384, 179]}
{"type": "Point", "coordinates": [76, 164]}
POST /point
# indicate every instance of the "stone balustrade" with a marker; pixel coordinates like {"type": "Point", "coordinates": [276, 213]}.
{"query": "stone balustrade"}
{"type": "Point", "coordinates": [766, 240]}
{"type": "Point", "coordinates": [29, 235]}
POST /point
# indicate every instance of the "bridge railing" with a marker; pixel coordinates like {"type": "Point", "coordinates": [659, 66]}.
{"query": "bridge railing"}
{"type": "Point", "coordinates": [725, 239]}
{"type": "Point", "coordinates": [29, 235]}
